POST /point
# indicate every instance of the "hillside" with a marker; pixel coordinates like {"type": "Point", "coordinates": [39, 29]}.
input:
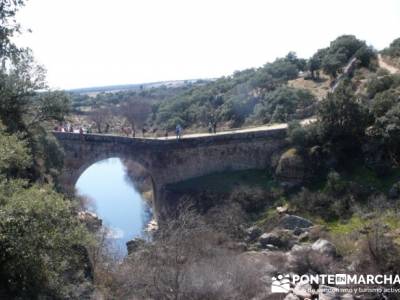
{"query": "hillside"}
{"type": "Point", "coordinates": [284, 90]}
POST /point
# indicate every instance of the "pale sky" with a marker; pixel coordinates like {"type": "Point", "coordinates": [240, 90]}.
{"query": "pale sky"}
{"type": "Point", "coordinates": [84, 43]}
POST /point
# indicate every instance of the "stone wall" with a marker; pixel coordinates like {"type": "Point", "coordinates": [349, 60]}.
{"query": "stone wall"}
{"type": "Point", "coordinates": [170, 161]}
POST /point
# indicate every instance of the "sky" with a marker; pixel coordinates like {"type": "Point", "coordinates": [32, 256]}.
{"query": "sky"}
{"type": "Point", "coordinates": [85, 43]}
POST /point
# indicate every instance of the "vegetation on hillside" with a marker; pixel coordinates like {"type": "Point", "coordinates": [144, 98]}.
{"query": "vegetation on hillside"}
{"type": "Point", "coordinates": [42, 243]}
{"type": "Point", "coordinates": [343, 174]}
{"type": "Point", "coordinates": [248, 97]}
{"type": "Point", "coordinates": [392, 53]}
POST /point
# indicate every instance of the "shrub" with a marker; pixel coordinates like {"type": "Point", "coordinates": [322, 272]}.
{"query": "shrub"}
{"type": "Point", "coordinates": [188, 261]}
{"type": "Point", "coordinates": [41, 243]}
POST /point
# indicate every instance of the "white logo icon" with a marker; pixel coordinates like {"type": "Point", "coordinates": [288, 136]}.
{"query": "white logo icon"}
{"type": "Point", "coordinates": [280, 284]}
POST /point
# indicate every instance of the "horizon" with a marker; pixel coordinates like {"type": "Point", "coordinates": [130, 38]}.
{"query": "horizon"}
{"type": "Point", "coordinates": [128, 43]}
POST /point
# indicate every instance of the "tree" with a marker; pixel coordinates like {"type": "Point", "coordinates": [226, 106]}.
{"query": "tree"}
{"type": "Point", "coordinates": [394, 49]}
{"type": "Point", "coordinates": [281, 104]}
{"type": "Point", "coordinates": [315, 62]}
{"type": "Point", "coordinates": [8, 28]}
{"type": "Point", "coordinates": [342, 121]}
{"type": "Point", "coordinates": [333, 63]}
{"type": "Point", "coordinates": [39, 238]}
{"type": "Point", "coordinates": [136, 113]}
{"type": "Point", "coordinates": [100, 116]}
{"type": "Point", "coordinates": [14, 155]}
{"type": "Point", "coordinates": [299, 62]}
{"type": "Point", "coordinates": [339, 52]}
{"type": "Point", "coordinates": [42, 253]}
{"type": "Point", "coordinates": [387, 130]}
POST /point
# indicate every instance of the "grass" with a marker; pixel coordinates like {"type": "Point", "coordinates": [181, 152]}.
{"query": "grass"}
{"type": "Point", "coordinates": [226, 181]}
{"type": "Point", "coordinates": [367, 177]}
{"type": "Point", "coordinates": [338, 227]}
{"type": "Point", "coordinates": [267, 216]}
{"type": "Point", "coordinates": [363, 176]}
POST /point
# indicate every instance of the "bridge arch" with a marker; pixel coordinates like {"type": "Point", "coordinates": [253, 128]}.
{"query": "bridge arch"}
{"type": "Point", "coordinates": [90, 160]}
{"type": "Point", "coordinates": [171, 161]}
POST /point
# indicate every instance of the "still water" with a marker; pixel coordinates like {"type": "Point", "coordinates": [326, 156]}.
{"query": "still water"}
{"type": "Point", "coordinates": [115, 200]}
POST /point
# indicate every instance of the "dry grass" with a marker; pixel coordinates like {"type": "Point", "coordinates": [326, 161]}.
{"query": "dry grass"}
{"type": "Point", "coordinates": [318, 89]}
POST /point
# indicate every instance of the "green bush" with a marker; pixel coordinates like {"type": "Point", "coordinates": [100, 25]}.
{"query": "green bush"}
{"type": "Point", "coordinates": [394, 49]}
{"type": "Point", "coordinates": [39, 238]}
{"type": "Point", "coordinates": [281, 104]}
{"type": "Point", "coordinates": [15, 157]}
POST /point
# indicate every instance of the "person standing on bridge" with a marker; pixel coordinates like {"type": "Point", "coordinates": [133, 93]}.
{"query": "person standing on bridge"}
{"type": "Point", "coordinates": [210, 127]}
{"type": "Point", "coordinates": [214, 127]}
{"type": "Point", "coordinates": [178, 131]}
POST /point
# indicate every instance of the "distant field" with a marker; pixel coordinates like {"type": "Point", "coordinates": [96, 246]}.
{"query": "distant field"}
{"type": "Point", "coordinates": [93, 91]}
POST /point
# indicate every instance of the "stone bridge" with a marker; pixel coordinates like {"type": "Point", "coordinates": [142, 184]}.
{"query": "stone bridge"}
{"type": "Point", "coordinates": [170, 161]}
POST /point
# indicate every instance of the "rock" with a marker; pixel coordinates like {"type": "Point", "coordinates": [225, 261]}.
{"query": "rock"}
{"type": "Point", "coordinates": [300, 248]}
{"type": "Point", "coordinates": [304, 237]}
{"type": "Point", "coordinates": [91, 220]}
{"type": "Point", "coordinates": [254, 247]}
{"type": "Point", "coordinates": [290, 296]}
{"type": "Point", "coordinates": [240, 246]}
{"type": "Point", "coordinates": [292, 222]}
{"type": "Point", "coordinates": [270, 239]}
{"type": "Point", "coordinates": [282, 209]}
{"type": "Point", "coordinates": [253, 233]}
{"type": "Point", "coordinates": [302, 290]}
{"type": "Point", "coordinates": [152, 226]}
{"type": "Point", "coordinates": [296, 253]}
{"type": "Point", "coordinates": [394, 191]}
{"type": "Point", "coordinates": [326, 292]}
{"type": "Point", "coordinates": [279, 239]}
{"type": "Point", "coordinates": [298, 231]}
{"type": "Point", "coordinates": [325, 247]}
{"type": "Point", "coordinates": [134, 245]}
{"type": "Point", "coordinates": [270, 247]}
{"type": "Point", "coordinates": [291, 169]}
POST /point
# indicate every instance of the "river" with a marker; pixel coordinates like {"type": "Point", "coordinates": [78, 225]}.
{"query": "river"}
{"type": "Point", "coordinates": [115, 200]}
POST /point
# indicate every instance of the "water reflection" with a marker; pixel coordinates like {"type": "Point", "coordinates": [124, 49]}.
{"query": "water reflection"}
{"type": "Point", "coordinates": [115, 199]}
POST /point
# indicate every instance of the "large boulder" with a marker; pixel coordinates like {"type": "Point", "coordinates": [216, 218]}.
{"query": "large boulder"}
{"type": "Point", "coordinates": [281, 239]}
{"type": "Point", "coordinates": [291, 169]}
{"type": "Point", "coordinates": [324, 247]}
{"type": "Point", "coordinates": [302, 290]}
{"type": "Point", "coordinates": [134, 245]}
{"type": "Point", "coordinates": [270, 238]}
{"type": "Point", "coordinates": [291, 296]}
{"type": "Point", "coordinates": [253, 233]}
{"type": "Point", "coordinates": [293, 222]}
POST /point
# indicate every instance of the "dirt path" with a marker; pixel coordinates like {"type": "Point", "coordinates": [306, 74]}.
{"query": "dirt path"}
{"type": "Point", "coordinates": [384, 65]}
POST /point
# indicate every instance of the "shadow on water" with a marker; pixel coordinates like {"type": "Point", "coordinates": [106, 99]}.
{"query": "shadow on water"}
{"type": "Point", "coordinates": [115, 200]}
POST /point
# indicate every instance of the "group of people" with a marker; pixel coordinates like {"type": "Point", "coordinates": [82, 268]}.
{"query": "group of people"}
{"type": "Point", "coordinates": [72, 129]}
{"type": "Point", "coordinates": [212, 127]}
